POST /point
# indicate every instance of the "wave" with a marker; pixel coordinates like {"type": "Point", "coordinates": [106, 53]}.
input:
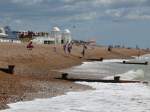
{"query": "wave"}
{"type": "Point", "coordinates": [115, 60]}
{"type": "Point", "coordinates": [130, 75]}
{"type": "Point", "coordinates": [145, 57]}
{"type": "Point", "coordinates": [120, 97]}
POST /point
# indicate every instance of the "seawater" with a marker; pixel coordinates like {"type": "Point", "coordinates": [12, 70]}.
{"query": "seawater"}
{"type": "Point", "coordinates": [106, 97]}
{"type": "Point", "coordinates": [110, 68]}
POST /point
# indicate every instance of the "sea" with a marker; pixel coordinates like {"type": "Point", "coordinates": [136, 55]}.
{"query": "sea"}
{"type": "Point", "coordinates": [105, 97]}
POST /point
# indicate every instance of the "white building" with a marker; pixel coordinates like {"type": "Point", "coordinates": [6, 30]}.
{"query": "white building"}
{"type": "Point", "coordinates": [43, 40]}
{"type": "Point", "coordinates": [2, 33]}
{"type": "Point", "coordinates": [61, 37]}
{"type": "Point", "coordinates": [5, 37]}
{"type": "Point", "coordinates": [56, 34]}
{"type": "Point", "coordinates": [66, 36]}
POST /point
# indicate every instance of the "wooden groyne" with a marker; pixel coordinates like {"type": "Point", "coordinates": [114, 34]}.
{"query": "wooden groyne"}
{"type": "Point", "coordinates": [138, 63]}
{"type": "Point", "coordinates": [95, 59]}
{"type": "Point", "coordinates": [102, 80]}
{"type": "Point", "coordinates": [9, 70]}
{"type": "Point", "coordinates": [115, 80]}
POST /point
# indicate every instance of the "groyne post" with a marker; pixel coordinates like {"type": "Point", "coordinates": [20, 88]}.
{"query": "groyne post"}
{"type": "Point", "coordinates": [116, 78]}
{"type": "Point", "coordinates": [11, 69]}
{"type": "Point", "coordinates": [64, 75]}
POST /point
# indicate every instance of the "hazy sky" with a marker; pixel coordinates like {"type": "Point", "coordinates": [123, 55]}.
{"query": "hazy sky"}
{"type": "Point", "coordinates": [125, 22]}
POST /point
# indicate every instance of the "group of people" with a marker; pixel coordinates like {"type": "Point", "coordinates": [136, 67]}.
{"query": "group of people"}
{"type": "Point", "coordinates": [67, 47]}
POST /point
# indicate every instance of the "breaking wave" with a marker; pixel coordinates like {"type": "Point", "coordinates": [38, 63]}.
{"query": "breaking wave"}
{"type": "Point", "coordinates": [145, 57]}
{"type": "Point", "coordinates": [114, 60]}
{"type": "Point", "coordinates": [130, 75]}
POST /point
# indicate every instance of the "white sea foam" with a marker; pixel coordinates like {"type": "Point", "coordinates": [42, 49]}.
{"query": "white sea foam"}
{"type": "Point", "coordinates": [145, 57]}
{"type": "Point", "coordinates": [106, 98]}
{"type": "Point", "coordinates": [115, 60]}
{"type": "Point", "coordinates": [92, 68]}
{"type": "Point", "coordinates": [130, 75]}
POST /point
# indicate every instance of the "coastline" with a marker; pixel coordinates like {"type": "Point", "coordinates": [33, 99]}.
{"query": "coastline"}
{"type": "Point", "coordinates": [36, 70]}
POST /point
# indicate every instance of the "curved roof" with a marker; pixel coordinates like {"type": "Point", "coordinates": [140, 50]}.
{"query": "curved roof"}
{"type": "Point", "coordinates": [2, 32]}
{"type": "Point", "coordinates": [55, 29]}
{"type": "Point", "coordinates": [67, 31]}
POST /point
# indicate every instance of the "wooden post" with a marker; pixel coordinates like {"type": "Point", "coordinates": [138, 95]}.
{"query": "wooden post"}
{"type": "Point", "coordinates": [101, 59]}
{"type": "Point", "coordinates": [146, 63]}
{"type": "Point", "coordinates": [116, 78]}
{"type": "Point", "coordinates": [11, 69]}
{"type": "Point", "coordinates": [64, 75]}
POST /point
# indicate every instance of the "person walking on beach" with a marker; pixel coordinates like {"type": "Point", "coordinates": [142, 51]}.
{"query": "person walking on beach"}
{"type": "Point", "coordinates": [83, 50]}
{"type": "Point", "coordinates": [54, 48]}
{"type": "Point", "coordinates": [69, 48]}
{"type": "Point", "coordinates": [65, 47]}
{"type": "Point", "coordinates": [109, 48]}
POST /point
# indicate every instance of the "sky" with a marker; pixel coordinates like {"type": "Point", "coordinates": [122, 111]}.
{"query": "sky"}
{"type": "Point", "coordinates": [109, 22]}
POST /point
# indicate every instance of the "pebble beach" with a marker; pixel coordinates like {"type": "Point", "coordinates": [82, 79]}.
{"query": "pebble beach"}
{"type": "Point", "coordinates": [36, 70]}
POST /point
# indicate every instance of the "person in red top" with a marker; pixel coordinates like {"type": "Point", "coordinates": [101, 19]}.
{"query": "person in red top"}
{"type": "Point", "coordinates": [30, 45]}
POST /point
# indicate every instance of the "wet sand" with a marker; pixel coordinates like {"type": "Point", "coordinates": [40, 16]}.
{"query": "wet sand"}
{"type": "Point", "coordinates": [36, 70]}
